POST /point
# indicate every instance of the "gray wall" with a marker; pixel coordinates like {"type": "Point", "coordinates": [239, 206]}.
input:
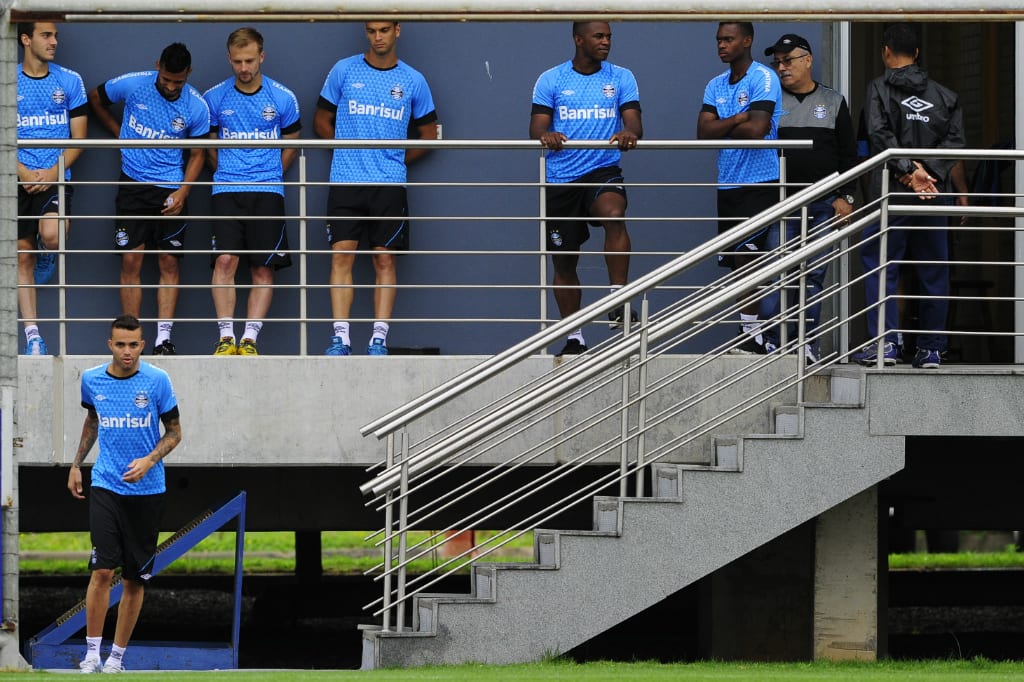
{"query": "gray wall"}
{"type": "Point", "coordinates": [481, 76]}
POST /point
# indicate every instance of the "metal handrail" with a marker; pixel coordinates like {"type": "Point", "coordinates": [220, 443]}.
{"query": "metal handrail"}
{"type": "Point", "coordinates": [447, 391]}
{"type": "Point", "coordinates": [488, 428]}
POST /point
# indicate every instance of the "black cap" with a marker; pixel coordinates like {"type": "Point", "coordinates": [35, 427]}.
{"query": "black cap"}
{"type": "Point", "coordinates": [786, 44]}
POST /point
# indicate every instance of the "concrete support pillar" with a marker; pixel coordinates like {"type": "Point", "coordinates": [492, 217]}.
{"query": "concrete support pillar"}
{"type": "Point", "coordinates": [846, 581]}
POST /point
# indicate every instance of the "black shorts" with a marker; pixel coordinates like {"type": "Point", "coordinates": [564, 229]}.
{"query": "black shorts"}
{"type": "Point", "coordinates": [39, 205]}
{"type": "Point", "coordinates": [568, 201]}
{"type": "Point", "coordinates": [139, 221]}
{"type": "Point", "coordinates": [738, 204]}
{"type": "Point", "coordinates": [373, 201]}
{"type": "Point", "coordinates": [124, 530]}
{"type": "Point", "coordinates": [242, 231]}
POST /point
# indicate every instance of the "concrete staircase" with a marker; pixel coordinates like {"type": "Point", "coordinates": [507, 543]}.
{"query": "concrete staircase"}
{"type": "Point", "coordinates": [698, 519]}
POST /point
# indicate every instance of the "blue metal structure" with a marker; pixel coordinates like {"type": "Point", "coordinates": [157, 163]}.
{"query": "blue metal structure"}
{"type": "Point", "coordinates": [52, 648]}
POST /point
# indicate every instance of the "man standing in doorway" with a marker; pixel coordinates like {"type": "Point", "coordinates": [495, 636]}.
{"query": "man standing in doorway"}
{"type": "Point", "coordinates": [906, 109]}
{"type": "Point", "coordinates": [743, 103]}
{"type": "Point", "coordinates": [810, 110]}
{"type": "Point", "coordinates": [586, 98]}
{"type": "Point", "coordinates": [250, 105]}
{"type": "Point", "coordinates": [158, 105]}
{"type": "Point", "coordinates": [126, 399]}
{"type": "Point", "coordinates": [371, 96]}
{"type": "Point", "coordinates": [51, 104]}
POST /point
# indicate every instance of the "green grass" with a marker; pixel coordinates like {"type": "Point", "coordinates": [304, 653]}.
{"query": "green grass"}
{"type": "Point", "coordinates": [344, 552]}
{"type": "Point", "coordinates": [894, 671]}
{"type": "Point", "coordinates": [1008, 558]}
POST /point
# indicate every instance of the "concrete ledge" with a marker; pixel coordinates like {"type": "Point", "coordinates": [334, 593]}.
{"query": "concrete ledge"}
{"type": "Point", "coordinates": [307, 411]}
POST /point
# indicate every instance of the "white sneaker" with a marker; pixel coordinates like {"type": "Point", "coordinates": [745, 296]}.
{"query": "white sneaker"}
{"type": "Point", "coordinates": [89, 666]}
{"type": "Point", "coordinates": [111, 667]}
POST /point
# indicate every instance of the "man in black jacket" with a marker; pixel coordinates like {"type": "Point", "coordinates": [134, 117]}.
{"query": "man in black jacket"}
{"type": "Point", "coordinates": [906, 109]}
{"type": "Point", "coordinates": [812, 111]}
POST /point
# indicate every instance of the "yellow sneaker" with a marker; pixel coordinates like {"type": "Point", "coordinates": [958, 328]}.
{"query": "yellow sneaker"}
{"type": "Point", "coordinates": [226, 346]}
{"type": "Point", "coordinates": [247, 347]}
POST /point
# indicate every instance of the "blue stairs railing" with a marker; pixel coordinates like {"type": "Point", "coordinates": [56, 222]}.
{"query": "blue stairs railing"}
{"type": "Point", "coordinates": [53, 649]}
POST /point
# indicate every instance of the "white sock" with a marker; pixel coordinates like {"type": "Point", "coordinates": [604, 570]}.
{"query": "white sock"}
{"type": "Point", "coordinates": [341, 329]}
{"type": "Point", "coordinates": [252, 330]}
{"type": "Point", "coordinates": [92, 648]}
{"type": "Point", "coordinates": [380, 331]}
{"type": "Point", "coordinates": [163, 331]}
{"type": "Point", "coordinates": [613, 288]}
{"type": "Point", "coordinates": [226, 327]}
{"type": "Point", "coordinates": [116, 654]}
{"type": "Point", "coordinates": [750, 324]}
{"type": "Point", "coordinates": [578, 335]}
{"type": "Point", "coordinates": [31, 332]}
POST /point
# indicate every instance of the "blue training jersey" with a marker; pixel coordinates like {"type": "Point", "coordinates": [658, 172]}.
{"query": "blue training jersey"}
{"type": "Point", "coordinates": [374, 104]}
{"type": "Point", "coordinates": [45, 108]}
{"type": "Point", "coordinates": [585, 107]}
{"type": "Point", "coordinates": [129, 412]}
{"type": "Point", "coordinates": [150, 116]}
{"type": "Point", "coordinates": [267, 114]}
{"type": "Point", "coordinates": [759, 84]}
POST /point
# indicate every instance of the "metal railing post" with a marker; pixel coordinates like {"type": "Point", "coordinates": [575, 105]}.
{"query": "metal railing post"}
{"type": "Point", "coordinates": [883, 265]}
{"type": "Point", "coordinates": [403, 529]}
{"type": "Point", "coordinates": [641, 406]}
{"type": "Point", "coordinates": [624, 410]}
{"type": "Point", "coordinates": [801, 320]}
{"type": "Point", "coordinates": [543, 213]}
{"type": "Point", "coordinates": [389, 521]}
{"type": "Point", "coordinates": [62, 226]}
{"type": "Point", "coordinates": [303, 272]}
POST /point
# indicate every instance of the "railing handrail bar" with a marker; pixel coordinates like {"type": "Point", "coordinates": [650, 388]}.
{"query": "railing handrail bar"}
{"type": "Point", "coordinates": [587, 366]}
{"type": "Point", "coordinates": [497, 363]}
{"type": "Point", "coordinates": [524, 144]}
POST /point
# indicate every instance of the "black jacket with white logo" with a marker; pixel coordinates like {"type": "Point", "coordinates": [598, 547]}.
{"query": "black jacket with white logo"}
{"type": "Point", "coordinates": [906, 109]}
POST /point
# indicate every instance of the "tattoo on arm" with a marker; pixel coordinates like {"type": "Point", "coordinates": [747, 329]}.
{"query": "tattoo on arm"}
{"type": "Point", "coordinates": [88, 439]}
{"type": "Point", "coordinates": [170, 439]}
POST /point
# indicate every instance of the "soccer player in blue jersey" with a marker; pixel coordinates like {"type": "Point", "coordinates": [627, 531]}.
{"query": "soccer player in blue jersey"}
{"type": "Point", "coordinates": [51, 104]}
{"type": "Point", "coordinates": [586, 98]}
{"type": "Point", "coordinates": [125, 401]}
{"type": "Point", "coordinates": [158, 105]}
{"type": "Point", "coordinates": [743, 103]}
{"type": "Point", "coordinates": [371, 96]}
{"type": "Point", "coordinates": [248, 106]}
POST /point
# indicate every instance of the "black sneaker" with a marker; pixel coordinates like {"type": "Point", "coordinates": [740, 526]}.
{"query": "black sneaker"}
{"type": "Point", "coordinates": [165, 348]}
{"type": "Point", "coordinates": [750, 346]}
{"type": "Point", "coordinates": [572, 347]}
{"type": "Point", "coordinates": [618, 314]}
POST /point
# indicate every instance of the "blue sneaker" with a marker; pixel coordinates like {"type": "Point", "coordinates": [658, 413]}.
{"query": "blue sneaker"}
{"type": "Point", "coordinates": [337, 347]}
{"type": "Point", "coordinates": [36, 346]}
{"type": "Point", "coordinates": [927, 359]}
{"type": "Point", "coordinates": [376, 347]}
{"type": "Point", "coordinates": [46, 263]}
{"type": "Point", "coordinates": [869, 354]}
